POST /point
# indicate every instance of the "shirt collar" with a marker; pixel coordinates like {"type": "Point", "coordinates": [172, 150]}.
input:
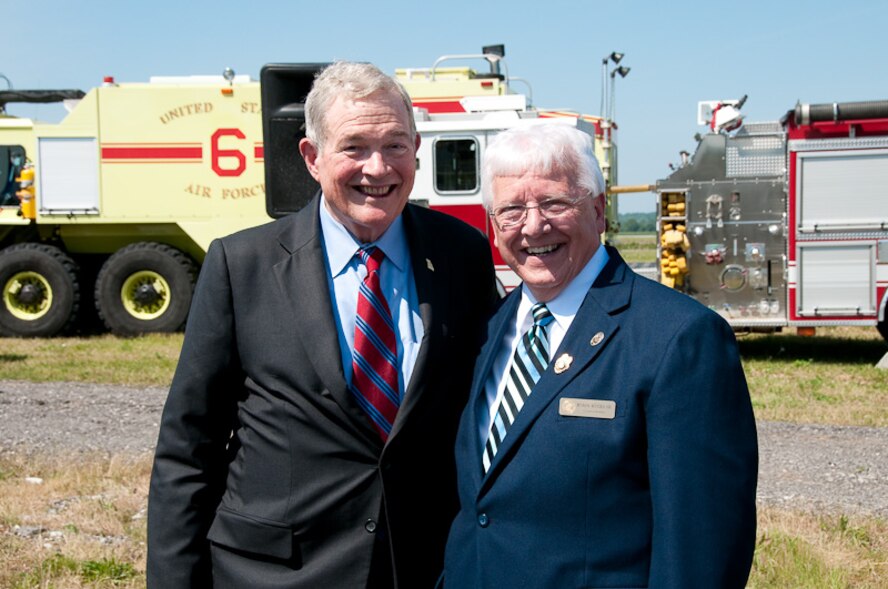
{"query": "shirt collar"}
{"type": "Point", "coordinates": [341, 245]}
{"type": "Point", "coordinates": [564, 306]}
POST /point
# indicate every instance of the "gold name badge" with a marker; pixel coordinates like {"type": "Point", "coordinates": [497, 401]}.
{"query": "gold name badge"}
{"type": "Point", "coordinates": [597, 408]}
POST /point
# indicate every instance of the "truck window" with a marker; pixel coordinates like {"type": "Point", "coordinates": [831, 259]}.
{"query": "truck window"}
{"type": "Point", "coordinates": [12, 158]}
{"type": "Point", "coordinates": [456, 166]}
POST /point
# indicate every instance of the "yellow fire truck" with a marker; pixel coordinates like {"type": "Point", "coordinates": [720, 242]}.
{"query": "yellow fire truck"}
{"type": "Point", "coordinates": [132, 186]}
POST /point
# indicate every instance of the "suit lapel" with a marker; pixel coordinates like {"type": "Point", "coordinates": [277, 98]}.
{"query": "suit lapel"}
{"type": "Point", "coordinates": [593, 327]}
{"type": "Point", "coordinates": [430, 272]}
{"type": "Point", "coordinates": [596, 322]}
{"type": "Point", "coordinates": [302, 277]}
{"type": "Point", "coordinates": [470, 442]}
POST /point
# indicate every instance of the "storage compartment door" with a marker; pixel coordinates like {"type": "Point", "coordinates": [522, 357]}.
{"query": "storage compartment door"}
{"type": "Point", "coordinates": [842, 190]}
{"type": "Point", "coordinates": [836, 280]}
{"type": "Point", "coordinates": [69, 175]}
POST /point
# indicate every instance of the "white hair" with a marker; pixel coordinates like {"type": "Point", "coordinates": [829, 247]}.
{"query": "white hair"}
{"type": "Point", "coordinates": [541, 149]}
{"type": "Point", "coordinates": [351, 80]}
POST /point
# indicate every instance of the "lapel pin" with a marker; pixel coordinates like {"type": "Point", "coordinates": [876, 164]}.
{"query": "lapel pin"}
{"type": "Point", "coordinates": [563, 363]}
{"type": "Point", "coordinates": [597, 338]}
{"type": "Point", "coordinates": [429, 265]}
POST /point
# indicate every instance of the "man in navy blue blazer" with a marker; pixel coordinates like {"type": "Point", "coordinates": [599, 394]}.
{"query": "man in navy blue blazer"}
{"type": "Point", "coordinates": [609, 439]}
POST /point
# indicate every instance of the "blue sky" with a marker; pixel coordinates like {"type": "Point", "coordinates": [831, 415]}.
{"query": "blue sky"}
{"type": "Point", "coordinates": [777, 52]}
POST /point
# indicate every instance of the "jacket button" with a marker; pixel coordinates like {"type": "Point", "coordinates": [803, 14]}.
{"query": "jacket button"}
{"type": "Point", "coordinates": [370, 526]}
{"type": "Point", "coordinates": [483, 520]}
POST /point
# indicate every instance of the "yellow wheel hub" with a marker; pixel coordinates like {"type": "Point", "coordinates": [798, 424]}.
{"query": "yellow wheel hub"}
{"type": "Point", "coordinates": [145, 295]}
{"type": "Point", "coordinates": [27, 296]}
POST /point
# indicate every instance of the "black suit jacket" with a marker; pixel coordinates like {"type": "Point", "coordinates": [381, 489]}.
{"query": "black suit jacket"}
{"type": "Point", "coordinates": [267, 473]}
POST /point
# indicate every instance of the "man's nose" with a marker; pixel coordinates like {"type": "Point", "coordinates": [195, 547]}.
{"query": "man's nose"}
{"type": "Point", "coordinates": [534, 222]}
{"type": "Point", "coordinates": [375, 164]}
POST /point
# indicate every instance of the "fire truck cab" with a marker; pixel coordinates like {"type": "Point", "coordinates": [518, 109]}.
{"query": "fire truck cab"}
{"type": "Point", "coordinates": [782, 223]}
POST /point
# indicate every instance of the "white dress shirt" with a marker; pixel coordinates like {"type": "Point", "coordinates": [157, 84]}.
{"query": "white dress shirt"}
{"type": "Point", "coordinates": [563, 307]}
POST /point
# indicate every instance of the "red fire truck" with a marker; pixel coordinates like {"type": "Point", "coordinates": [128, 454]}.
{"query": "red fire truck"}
{"type": "Point", "coordinates": [782, 223]}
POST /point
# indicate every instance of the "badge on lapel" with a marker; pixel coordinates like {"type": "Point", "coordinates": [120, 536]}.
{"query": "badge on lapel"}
{"type": "Point", "coordinates": [597, 338]}
{"type": "Point", "coordinates": [563, 363]}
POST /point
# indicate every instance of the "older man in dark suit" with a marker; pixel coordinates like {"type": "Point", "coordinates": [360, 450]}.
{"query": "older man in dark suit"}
{"type": "Point", "coordinates": [307, 439]}
{"type": "Point", "coordinates": [608, 439]}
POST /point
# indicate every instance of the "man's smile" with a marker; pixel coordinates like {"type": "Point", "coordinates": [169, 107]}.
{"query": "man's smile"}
{"type": "Point", "coordinates": [541, 250]}
{"type": "Point", "coordinates": [376, 190]}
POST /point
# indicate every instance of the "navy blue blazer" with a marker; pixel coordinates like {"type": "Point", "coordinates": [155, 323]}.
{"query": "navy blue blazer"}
{"type": "Point", "coordinates": [661, 494]}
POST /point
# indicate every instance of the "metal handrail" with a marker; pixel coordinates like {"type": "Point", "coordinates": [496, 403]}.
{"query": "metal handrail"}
{"type": "Point", "coordinates": [490, 57]}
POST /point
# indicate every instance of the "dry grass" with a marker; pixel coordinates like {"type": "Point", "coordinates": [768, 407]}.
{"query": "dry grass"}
{"type": "Point", "coordinates": [90, 513]}
{"type": "Point", "coordinates": [818, 551]}
{"type": "Point", "coordinates": [81, 525]}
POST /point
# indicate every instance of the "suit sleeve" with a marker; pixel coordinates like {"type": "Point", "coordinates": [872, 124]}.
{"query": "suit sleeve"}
{"type": "Point", "coordinates": [190, 464]}
{"type": "Point", "coordinates": [490, 296]}
{"type": "Point", "coordinates": [703, 460]}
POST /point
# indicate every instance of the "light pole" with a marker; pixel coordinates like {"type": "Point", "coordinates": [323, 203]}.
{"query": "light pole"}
{"type": "Point", "coordinates": [608, 160]}
{"type": "Point", "coordinates": [607, 111]}
{"type": "Point", "coordinates": [623, 71]}
{"type": "Point", "coordinates": [615, 57]}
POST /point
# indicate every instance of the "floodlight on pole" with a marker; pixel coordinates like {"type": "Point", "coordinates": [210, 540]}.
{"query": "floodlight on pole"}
{"type": "Point", "coordinates": [616, 57]}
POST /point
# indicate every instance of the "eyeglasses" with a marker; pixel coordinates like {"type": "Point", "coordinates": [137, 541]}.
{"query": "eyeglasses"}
{"type": "Point", "coordinates": [512, 215]}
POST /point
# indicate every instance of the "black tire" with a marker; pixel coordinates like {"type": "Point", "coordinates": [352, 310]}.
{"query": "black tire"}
{"type": "Point", "coordinates": [145, 287]}
{"type": "Point", "coordinates": [40, 290]}
{"type": "Point", "coordinates": [882, 326]}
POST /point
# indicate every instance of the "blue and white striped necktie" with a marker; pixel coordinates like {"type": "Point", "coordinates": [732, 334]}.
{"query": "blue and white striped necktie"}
{"type": "Point", "coordinates": [528, 364]}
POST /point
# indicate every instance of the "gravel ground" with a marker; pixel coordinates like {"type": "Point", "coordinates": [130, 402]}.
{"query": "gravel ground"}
{"type": "Point", "coordinates": [811, 467]}
{"type": "Point", "coordinates": [77, 417]}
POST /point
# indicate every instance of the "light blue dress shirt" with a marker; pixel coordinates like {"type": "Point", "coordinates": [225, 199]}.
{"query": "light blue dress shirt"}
{"type": "Point", "coordinates": [563, 307]}
{"type": "Point", "coordinates": [345, 274]}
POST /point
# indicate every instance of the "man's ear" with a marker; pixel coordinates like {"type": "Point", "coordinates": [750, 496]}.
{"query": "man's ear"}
{"type": "Point", "coordinates": [310, 154]}
{"type": "Point", "coordinates": [600, 205]}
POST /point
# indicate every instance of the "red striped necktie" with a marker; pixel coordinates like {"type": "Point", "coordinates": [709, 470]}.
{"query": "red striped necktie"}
{"type": "Point", "coordinates": [375, 359]}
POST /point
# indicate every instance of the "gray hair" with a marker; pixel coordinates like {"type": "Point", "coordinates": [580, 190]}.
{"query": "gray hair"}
{"type": "Point", "coordinates": [541, 149]}
{"type": "Point", "coordinates": [350, 80]}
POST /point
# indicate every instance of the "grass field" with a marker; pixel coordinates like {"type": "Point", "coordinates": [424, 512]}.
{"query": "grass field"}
{"type": "Point", "coordinates": [65, 527]}
{"type": "Point", "coordinates": [637, 247]}
{"type": "Point", "coordinates": [142, 361]}
{"type": "Point", "coordinates": [830, 378]}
